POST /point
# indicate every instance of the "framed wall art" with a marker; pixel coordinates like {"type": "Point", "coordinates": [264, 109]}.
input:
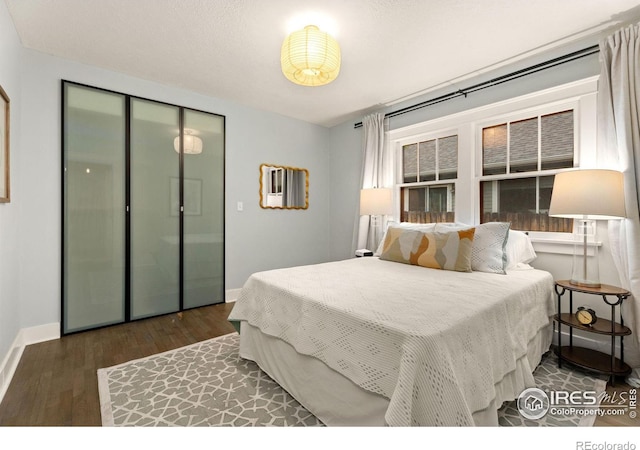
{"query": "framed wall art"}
{"type": "Point", "coordinates": [4, 147]}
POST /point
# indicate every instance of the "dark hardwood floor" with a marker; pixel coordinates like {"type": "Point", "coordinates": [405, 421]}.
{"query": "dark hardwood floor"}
{"type": "Point", "coordinates": [56, 383]}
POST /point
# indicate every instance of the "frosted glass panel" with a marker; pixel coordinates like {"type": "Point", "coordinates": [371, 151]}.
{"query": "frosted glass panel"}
{"type": "Point", "coordinates": [155, 249]}
{"type": "Point", "coordinates": [142, 210]}
{"type": "Point", "coordinates": [203, 270]}
{"type": "Point", "coordinates": [93, 213]}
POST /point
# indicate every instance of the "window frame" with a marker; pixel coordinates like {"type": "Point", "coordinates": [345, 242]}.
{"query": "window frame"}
{"type": "Point", "coordinates": [572, 104]}
{"type": "Point", "coordinates": [417, 139]}
{"type": "Point", "coordinates": [399, 168]}
{"type": "Point", "coordinates": [580, 95]}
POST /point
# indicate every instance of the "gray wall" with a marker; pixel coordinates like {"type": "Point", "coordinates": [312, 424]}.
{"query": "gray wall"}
{"type": "Point", "coordinates": [345, 157]}
{"type": "Point", "coordinates": [9, 212]}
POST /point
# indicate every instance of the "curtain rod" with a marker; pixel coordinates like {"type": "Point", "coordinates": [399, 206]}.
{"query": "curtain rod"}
{"type": "Point", "coordinates": [495, 81]}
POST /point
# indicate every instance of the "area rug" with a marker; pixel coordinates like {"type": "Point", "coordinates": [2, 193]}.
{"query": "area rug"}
{"type": "Point", "coordinates": [203, 384]}
{"type": "Point", "coordinates": [208, 384]}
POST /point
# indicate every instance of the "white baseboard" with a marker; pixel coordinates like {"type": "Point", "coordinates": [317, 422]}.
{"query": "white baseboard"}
{"type": "Point", "coordinates": [231, 295]}
{"type": "Point", "coordinates": [9, 365]}
{"type": "Point", "coordinates": [26, 336]}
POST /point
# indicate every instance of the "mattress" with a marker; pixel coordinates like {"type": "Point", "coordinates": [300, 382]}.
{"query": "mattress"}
{"type": "Point", "coordinates": [438, 347]}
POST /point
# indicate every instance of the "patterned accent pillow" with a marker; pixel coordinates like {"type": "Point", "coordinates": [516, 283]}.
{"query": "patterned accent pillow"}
{"type": "Point", "coordinates": [489, 252]}
{"type": "Point", "coordinates": [449, 250]}
{"type": "Point", "coordinates": [413, 226]}
{"type": "Point", "coordinates": [489, 247]}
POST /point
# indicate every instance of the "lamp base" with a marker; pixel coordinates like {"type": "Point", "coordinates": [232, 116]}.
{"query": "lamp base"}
{"type": "Point", "coordinates": [585, 271]}
{"type": "Point", "coordinates": [588, 284]}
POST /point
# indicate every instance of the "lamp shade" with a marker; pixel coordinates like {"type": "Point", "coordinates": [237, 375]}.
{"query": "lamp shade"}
{"type": "Point", "coordinates": [310, 57]}
{"type": "Point", "coordinates": [596, 194]}
{"type": "Point", "coordinates": [192, 144]}
{"type": "Point", "coordinates": [376, 202]}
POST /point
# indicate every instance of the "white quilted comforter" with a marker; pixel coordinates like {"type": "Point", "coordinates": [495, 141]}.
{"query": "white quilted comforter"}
{"type": "Point", "coordinates": [433, 342]}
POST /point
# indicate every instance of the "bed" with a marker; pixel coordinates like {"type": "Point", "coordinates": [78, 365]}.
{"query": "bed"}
{"type": "Point", "coordinates": [370, 341]}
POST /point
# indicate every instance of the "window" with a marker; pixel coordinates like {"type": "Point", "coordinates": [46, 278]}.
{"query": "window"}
{"type": "Point", "coordinates": [435, 159]}
{"type": "Point", "coordinates": [535, 146]}
{"type": "Point", "coordinates": [428, 204]}
{"type": "Point", "coordinates": [506, 157]}
{"type": "Point", "coordinates": [425, 164]}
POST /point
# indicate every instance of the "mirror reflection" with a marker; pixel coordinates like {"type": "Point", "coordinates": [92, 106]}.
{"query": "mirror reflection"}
{"type": "Point", "coordinates": [283, 187]}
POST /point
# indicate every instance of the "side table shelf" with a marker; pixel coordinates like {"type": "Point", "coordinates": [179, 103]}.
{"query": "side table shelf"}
{"type": "Point", "coordinates": [586, 358]}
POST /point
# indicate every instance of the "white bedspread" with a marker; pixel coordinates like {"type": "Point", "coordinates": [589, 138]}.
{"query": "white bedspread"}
{"type": "Point", "coordinates": [433, 342]}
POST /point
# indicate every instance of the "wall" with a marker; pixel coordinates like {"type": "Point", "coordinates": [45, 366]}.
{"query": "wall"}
{"type": "Point", "coordinates": [9, 212]}
{"type": "Point", "coordinates": [345, 171]}
{"type": "Point", "coordinates": [256, 239]}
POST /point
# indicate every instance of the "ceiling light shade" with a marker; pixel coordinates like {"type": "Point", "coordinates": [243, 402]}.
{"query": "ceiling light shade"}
{"type": "Point", "coordinates": [192, 144]}
{"type": "Point", "coordinates": [310, 57]}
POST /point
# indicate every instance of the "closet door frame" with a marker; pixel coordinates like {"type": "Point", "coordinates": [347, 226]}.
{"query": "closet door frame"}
{"type": "Point", "coordinates": [127, 206]}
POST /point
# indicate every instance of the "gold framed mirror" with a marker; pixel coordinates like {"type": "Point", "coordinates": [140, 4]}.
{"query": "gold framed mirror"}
{"type": "Point", "coordinates": [283, 187]}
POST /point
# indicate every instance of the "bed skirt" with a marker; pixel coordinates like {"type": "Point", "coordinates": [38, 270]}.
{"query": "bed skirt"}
{"type": "Point", "coordinates": [337, 401]}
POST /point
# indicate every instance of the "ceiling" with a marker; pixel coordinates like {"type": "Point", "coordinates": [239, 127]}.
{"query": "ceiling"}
{"type": "Point", "coordinates": [230, 49]}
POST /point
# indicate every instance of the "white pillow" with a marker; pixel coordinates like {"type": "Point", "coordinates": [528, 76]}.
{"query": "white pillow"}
{"type": "Point", "coordinates": [449, 226]}
{"type": "Point", "coordinates": [408, 225]}
{"type": "Point", "coordinates": [519, 250]}
{"type": "Point", "coordinates": [489, 242]}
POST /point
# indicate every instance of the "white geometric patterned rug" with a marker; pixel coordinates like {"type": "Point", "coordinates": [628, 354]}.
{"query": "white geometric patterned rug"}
{"type": "Point", "coordinates": [208, 384]}
{"type": "Point", "coordinates": [203, 384]}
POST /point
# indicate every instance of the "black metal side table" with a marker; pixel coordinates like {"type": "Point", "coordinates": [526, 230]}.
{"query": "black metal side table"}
{"type": "Point", "coordinates": [586, 358]}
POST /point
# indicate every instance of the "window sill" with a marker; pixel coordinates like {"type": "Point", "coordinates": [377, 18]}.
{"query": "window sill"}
{"type": "Point", "coordinates": [561, 246]}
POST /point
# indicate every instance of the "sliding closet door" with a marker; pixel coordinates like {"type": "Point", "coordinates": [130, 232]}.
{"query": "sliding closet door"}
{"type": "Point", "coordinates": [93, 215]}
{"type": "Point", "coordinates": [154, 209]}
{"type": "Point", "coordinates": [142, 208]}
{"type": "Point", "coordinates": [203, 245]}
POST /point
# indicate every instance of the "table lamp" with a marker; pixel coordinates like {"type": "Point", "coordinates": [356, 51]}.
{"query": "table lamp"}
{"type": "Point", "coordinates": [376, 202]}
{"type": "Point", "coordinates": [586, 196]}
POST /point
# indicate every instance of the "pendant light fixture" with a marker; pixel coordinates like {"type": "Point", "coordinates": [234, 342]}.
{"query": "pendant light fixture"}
{"type": "Point", "coordinates": [192, 144]}
{"type": "Point", "coordinates": [310, 57]}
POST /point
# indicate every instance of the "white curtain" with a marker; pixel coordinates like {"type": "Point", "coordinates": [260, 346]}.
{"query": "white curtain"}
{"type": "Point", "coordinates": [619, 148]}
{"type": "Point", "coordinates": [377, 172]}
